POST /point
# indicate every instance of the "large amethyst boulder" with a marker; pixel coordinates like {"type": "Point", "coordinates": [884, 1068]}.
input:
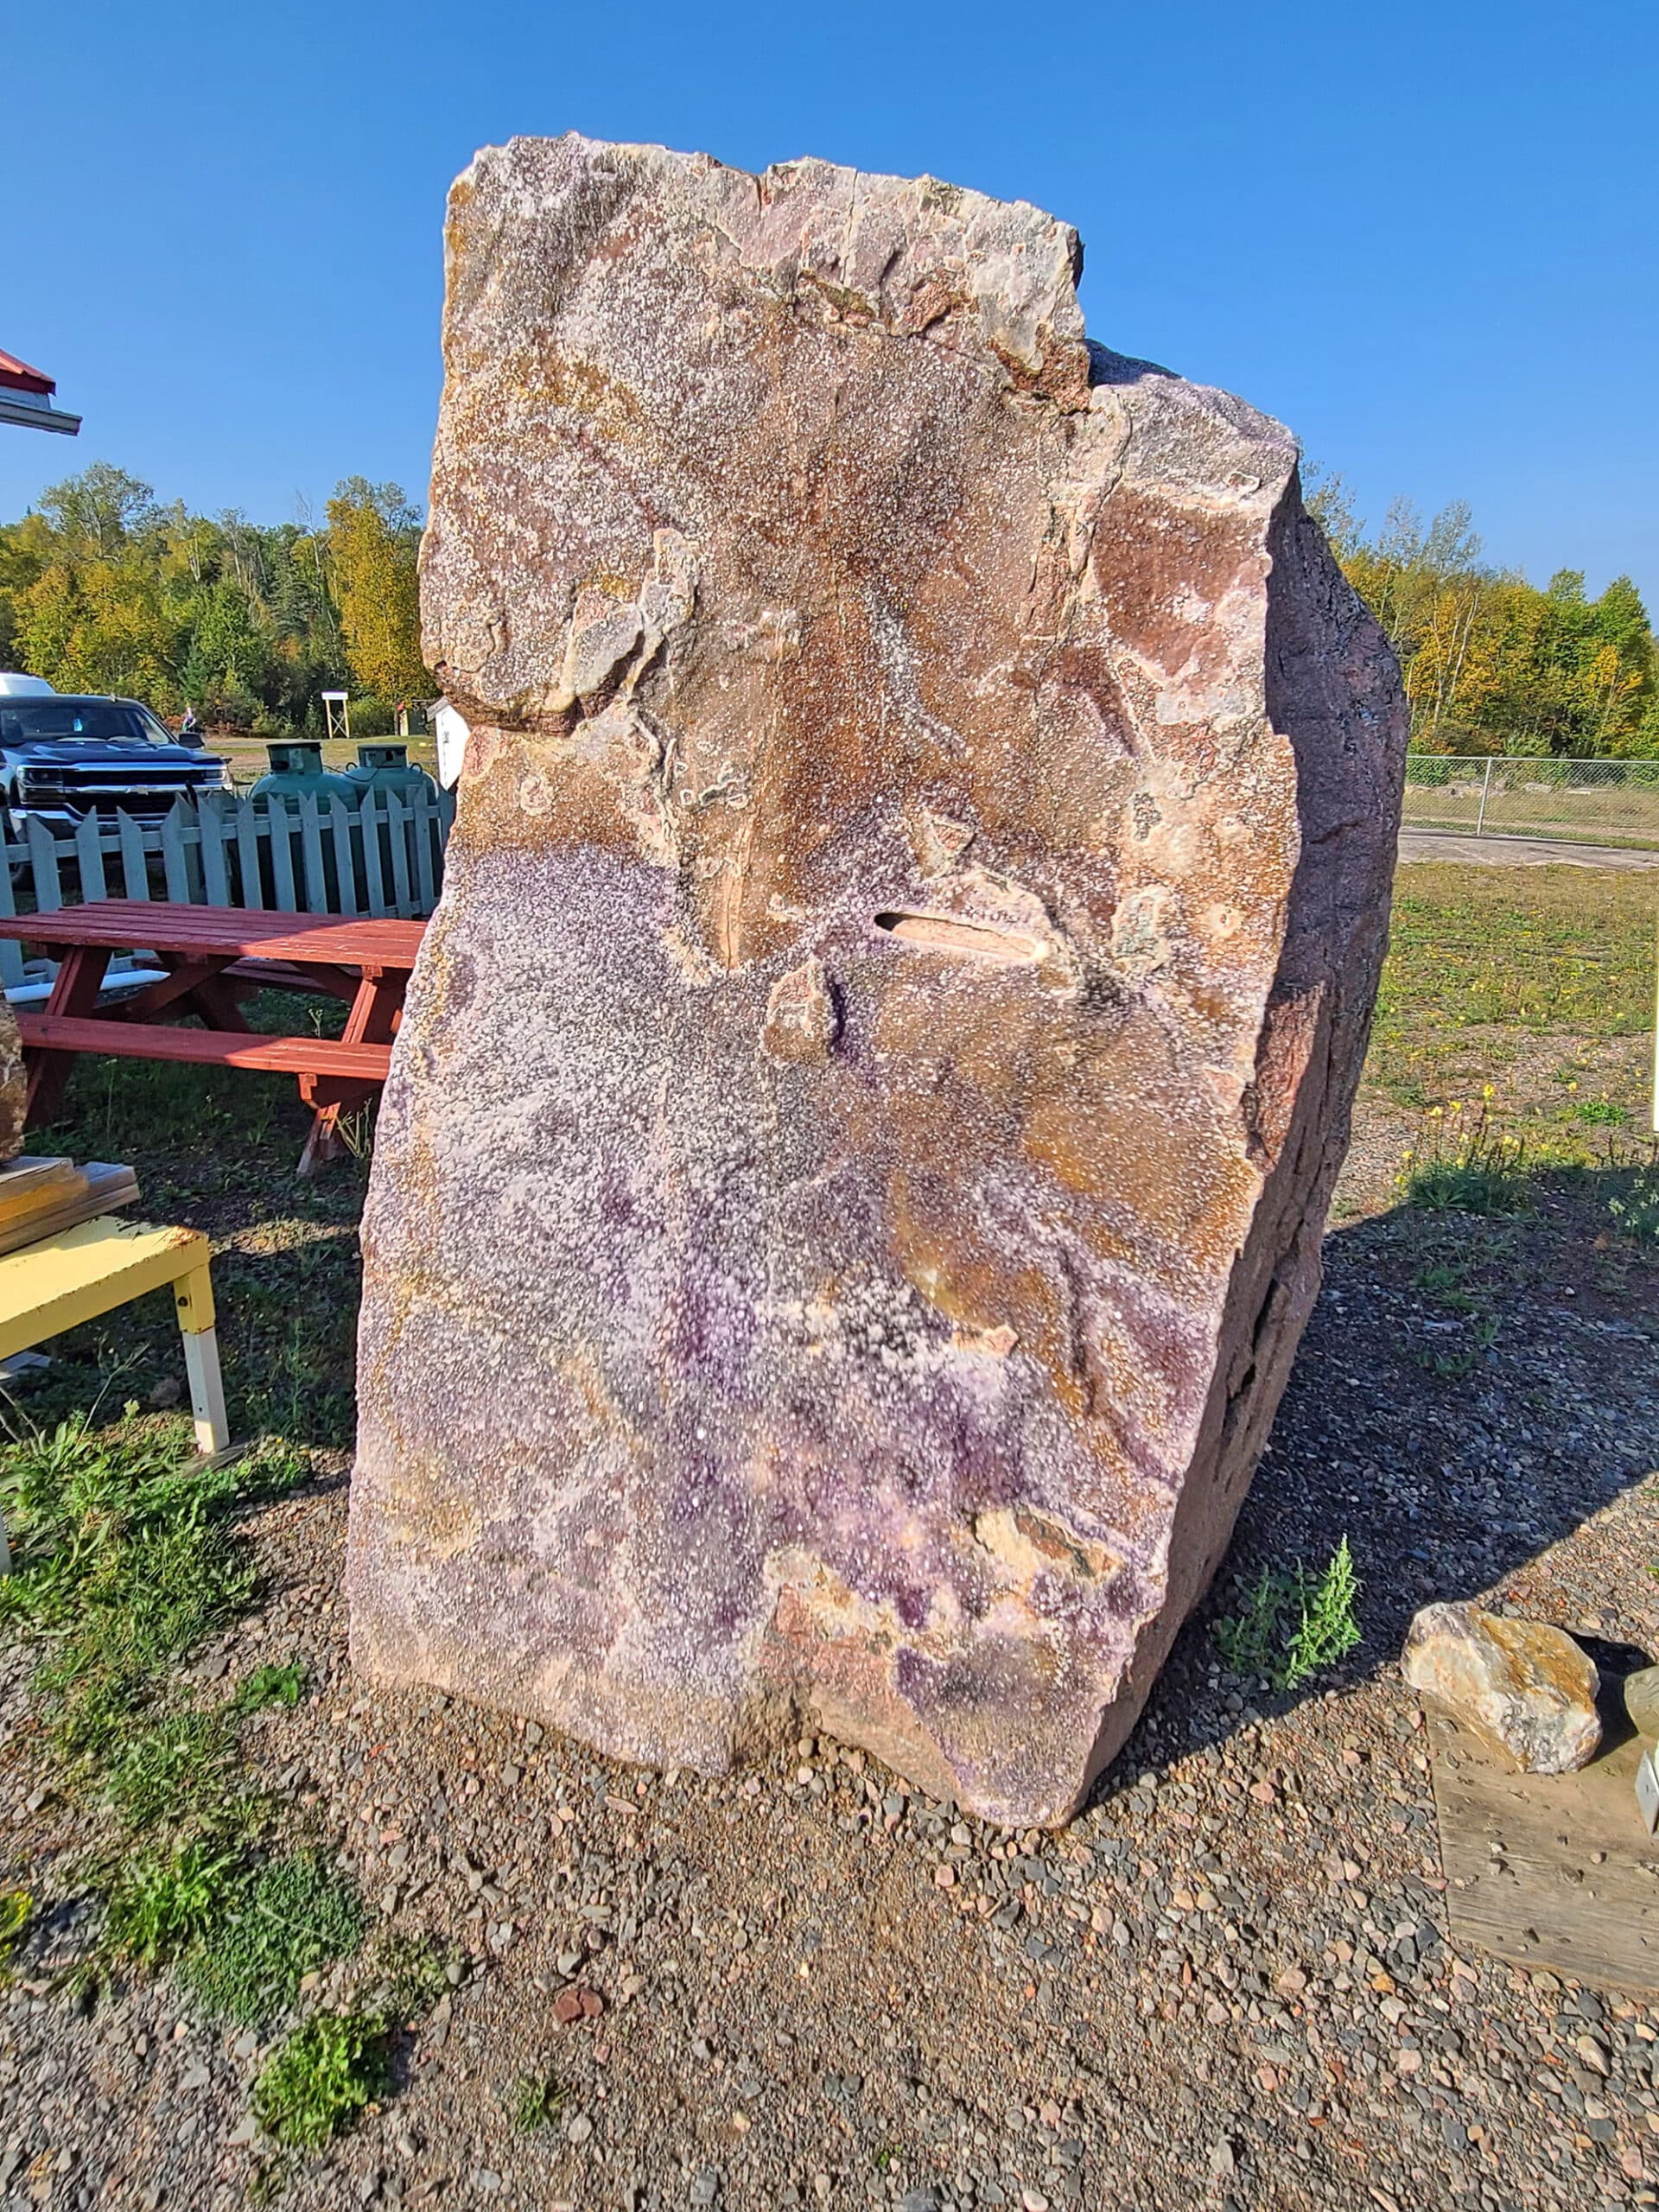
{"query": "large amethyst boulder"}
{"type": "Point", "coordinates": [852, 1177]}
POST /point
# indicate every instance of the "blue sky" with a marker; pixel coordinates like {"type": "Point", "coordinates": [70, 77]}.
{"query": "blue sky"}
{"type": "Point", "coordinates": [1426, 237]}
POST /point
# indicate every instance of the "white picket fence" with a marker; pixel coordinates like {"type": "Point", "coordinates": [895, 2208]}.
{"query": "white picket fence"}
{"type": "Point", "coordinates": [280, 854]}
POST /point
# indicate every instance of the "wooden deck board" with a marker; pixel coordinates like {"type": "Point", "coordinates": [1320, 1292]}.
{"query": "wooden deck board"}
{"type": "Point", "coordinates": [1519, 1853]}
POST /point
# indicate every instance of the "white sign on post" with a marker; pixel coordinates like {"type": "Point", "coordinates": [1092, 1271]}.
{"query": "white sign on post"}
{"type": "Point", "coordinates": [449, 730]}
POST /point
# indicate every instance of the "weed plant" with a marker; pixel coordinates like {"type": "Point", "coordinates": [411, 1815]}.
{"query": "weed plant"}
{"type": "Point", "coordinates": [15, 1908]}
{"type": "Point", "coordinates": [319, 2080]}
{"type": "Point", "coordinates": [537, 2101]}
{"type": "Point", "coordinates": [1635, 1211]}
{"type": "Point", "coordinates": [179, 1771]}
{"type": "Point", "coordinates": [1293, 1625]}
{"type": "Point", "coordinates": [163, 1899]}
{"type": "Point", "coordinates": [273, 1926]}
{"type": "Point", "coordinates": [125, 1560]}
{"type": "Point", "coordinates": [1463, 1164]}
{"type": "Point", "coordinates": [271, 1686]}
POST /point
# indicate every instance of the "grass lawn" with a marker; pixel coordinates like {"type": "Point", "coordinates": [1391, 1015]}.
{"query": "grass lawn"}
{"type": "Point", "coordinates": [1537, 980]}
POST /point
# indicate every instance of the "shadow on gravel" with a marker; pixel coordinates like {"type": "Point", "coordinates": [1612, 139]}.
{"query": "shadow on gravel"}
{"type": "Point", "coordinates": [1470, 1389]}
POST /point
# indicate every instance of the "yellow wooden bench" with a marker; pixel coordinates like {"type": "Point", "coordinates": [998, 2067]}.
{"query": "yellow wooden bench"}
{"type": "Point", "coordinates": [81, 1273]}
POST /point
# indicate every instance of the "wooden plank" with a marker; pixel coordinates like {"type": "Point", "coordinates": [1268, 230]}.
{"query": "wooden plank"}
{"type": "Point", "coordinates": [134, 865]}
{"type": "Point", "coordinates": [374, 836]}
{"type": "Point", "coordinates": [19, 1178]}
{"type": "Point", "coordinates": [65, 1279]}
{"type": "Point", "coordinates": [397, 822]}
{"type": "Point", "coordinates": [180, 983]}
{"type": "Point", "coordinates": [340, 827]}
{"type": "Point", "coordinates": [250, 824]}
{"type": "Point", "coordinates": [215, 875]}
{"type": "Point", "coordinates": [159, 1040]}
{"type": "Point", "coordinates": [89, 856]}
{"type": "Point", "coordinates": [342, 941]}
{"type": "Point", "coordinates": [94, 1189]}
{"type": "Point", "coordinates": [316, 875]}
{"type": "Point", "coordinates": [43, 865]}
{"type": "Point", "coordinates": [11, 953]}
{"type": "Point", "coordinates": [425, 834]}
{"type": "Point", "coordinates": [175, 870]}
{"type": "Point", "coordinates": [207, 1391]}
{"type": "Point", "coordinates": [317, 978]}
{"type": "Point", "coordinates": [1519, 1853]}
{"type": "Point", "coordinates": [75, 990]}
{"type": "Point", "coordinates": [283, 892]}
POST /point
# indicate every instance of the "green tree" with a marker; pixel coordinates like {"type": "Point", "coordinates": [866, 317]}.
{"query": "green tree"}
{"type": "Point", "coordinates": [373, 540]}
{"type": "Point", "coordinates": [1491, 663]}
{"type": "Point", "coordinates": [99, 508]}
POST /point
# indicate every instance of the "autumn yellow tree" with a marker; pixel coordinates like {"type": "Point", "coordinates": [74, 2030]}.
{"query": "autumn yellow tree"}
{"type": "Point", "coordinates": [373, 537]}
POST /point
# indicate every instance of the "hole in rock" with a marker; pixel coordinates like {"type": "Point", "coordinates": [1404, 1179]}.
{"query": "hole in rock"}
{"type": "Point", "coordinates": [943, 933]}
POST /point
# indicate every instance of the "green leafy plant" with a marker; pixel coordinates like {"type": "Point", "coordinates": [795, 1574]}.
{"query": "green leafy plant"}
{"type": "Point", "coordinates": [1461, 1164]}
{"type": "Point", "coordinates": [319, 2080]}
{"type": "Point", "coordinates": [163, 1900]}
{"type": "Point", "coordinates": [271, 1686]}
{"type": "Point", "coordinates": [1635, 1211]}
{"type": "Point", "coordinates": [16, 1906]}
{"type": "Point", "coordinates": [1328, 1629]}
{"type": "Point", "coordinates": [403, 1974]}
{"type": "Point", "coordinates": [537, 2100]}
{"type": "Point", "coordinates": [1602, 1112]}
{"type": "Point", "coordinates": [125, 1563]}
{"type": "Point", "coordinates": [176, 1771]}
{"type": "Point", "coordinates": [283, 1922]}
{"type": "Point", "coordinates": [1292, 1624]}
{"type": "Point", "coordinates": [1247, 1640]}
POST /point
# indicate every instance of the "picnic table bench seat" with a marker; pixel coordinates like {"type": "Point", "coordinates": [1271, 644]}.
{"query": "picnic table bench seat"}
{"type": "Point", "coordinates": [161, 1041]}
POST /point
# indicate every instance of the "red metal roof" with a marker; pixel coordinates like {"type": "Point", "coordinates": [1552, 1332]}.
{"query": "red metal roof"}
{"type": "Point", "coordinates": [18, 376]}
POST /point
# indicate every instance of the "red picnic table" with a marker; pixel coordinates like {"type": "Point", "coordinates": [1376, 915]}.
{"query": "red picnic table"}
{"type": "Point", "coordinates": [213, 956]}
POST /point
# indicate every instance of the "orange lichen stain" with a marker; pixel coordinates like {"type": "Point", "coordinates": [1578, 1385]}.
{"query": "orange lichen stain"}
{"type": "Point", "coordinates": [566, 380]}
{"type": "Point", "coordinates": [1029, 1543]}
{"type": "Point", "coordinates": [426, 1515]}
{"type": "Point", "coordinates": [947, 1261]}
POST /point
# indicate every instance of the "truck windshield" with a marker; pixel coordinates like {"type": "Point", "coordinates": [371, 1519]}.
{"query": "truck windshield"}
{"type": "Point", "coordinates": [31, 721]}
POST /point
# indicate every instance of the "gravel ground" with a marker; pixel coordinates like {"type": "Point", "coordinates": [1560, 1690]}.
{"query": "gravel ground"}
{"type": "Point", "coordinates": [1458, 846]}
{"type": "Point", "coordinates": [1228, 1984]}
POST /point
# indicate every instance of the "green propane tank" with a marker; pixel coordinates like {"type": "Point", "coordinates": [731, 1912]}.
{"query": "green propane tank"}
{"type": "Point", "coordinates": [288, 875]}
{"type": "Point", "coordinates": [297, 767]}
{"type": "Point", "coordinates": [403, 853]}
{"type": "Point", "coordinates": [387, 767]}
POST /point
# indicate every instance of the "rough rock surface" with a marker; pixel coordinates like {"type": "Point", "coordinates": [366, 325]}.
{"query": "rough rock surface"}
{"type": "Point", "coordinates": [13, 1084]}
{"type": "Point", "coordinates": [1641, 1694]}
{"type": "Point", "coordinates": [851, 1179]}
{"type": "Point", "coordinates": [1525, 1686]}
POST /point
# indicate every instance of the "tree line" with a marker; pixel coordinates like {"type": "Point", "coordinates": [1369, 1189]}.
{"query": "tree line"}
{"type": "Point", "coordinates": [1491, 663]}
{"type": "Point", "coordinates": [103, 589]}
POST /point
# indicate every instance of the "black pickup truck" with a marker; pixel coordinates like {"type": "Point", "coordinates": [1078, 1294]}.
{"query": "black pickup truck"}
{"type": "Point", "coordinates": [62, 758]}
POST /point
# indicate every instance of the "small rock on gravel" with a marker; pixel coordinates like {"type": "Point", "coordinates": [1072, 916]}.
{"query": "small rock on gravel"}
{"type": "Point", "coordinates": [1526, 1687]}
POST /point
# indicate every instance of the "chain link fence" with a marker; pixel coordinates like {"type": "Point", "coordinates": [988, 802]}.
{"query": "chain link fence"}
{"type": "Point", "coordinates": [1592, 802]}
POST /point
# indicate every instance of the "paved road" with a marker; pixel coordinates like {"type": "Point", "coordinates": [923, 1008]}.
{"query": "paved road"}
{"type": "Point", "coordinates": [1518, 852]}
